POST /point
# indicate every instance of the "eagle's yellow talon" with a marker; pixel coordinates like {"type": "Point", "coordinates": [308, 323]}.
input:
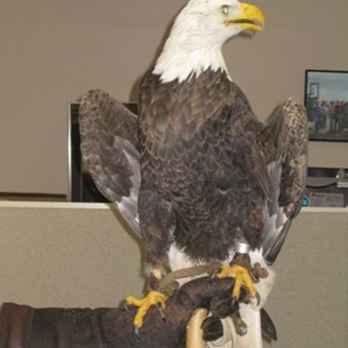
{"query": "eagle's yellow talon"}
{"type": "Point", "coordinates": [133, 301]}
{"type": "Point", "coordinates": [242, 278]}
{"type": "Point", "coordinates": [236, 288]}
{"type": "Point", "coordinates": [144, 304]}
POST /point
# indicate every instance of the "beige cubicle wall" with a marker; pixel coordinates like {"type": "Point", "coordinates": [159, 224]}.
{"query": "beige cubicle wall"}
{"type": "Point", "coordinates": [65, 255]}
{"type": "Point", "coordinates": [80, 255]}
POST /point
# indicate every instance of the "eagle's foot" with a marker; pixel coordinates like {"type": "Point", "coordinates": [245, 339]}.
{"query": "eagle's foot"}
{"type": "Point", "coordinates": [243, 278]}
{"type": "Point", "coordinates": [144, 305]}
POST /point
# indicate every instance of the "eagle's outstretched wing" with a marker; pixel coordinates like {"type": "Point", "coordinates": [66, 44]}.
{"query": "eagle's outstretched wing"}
{"type": "Point", "coordinates": [284, 141]}
{"type": "Point", "coordinates": [109, 147]}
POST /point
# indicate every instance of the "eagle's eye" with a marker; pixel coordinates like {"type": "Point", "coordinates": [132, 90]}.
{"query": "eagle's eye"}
{"type": "Point", "coordinates": [225, 9]}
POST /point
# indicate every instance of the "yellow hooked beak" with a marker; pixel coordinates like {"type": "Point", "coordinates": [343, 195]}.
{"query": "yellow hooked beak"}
{"type": "Point", "coordinates": [251, 18]}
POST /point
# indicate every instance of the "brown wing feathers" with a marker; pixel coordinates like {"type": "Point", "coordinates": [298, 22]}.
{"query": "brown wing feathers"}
{"type": "Point", "coordinates": [284, 141]}
{"type": "Point", "coordinates": [108, 135]}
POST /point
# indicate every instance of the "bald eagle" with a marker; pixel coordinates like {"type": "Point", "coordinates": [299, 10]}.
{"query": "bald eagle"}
{"type": "Point", "coordinates": [197, 176]}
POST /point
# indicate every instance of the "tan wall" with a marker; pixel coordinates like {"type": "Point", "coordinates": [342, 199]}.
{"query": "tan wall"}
{"type": "Point", "coordinates": [52, 255]}
{"type": "Point", "coordinates": [79, 255]}
{"type": "Point", "coordinates": [51, 52]}
{"type": "Point", "coordinates": [309, 302]}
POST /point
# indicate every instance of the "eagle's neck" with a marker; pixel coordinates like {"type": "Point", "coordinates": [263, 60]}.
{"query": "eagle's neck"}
{"type": "Point", "coordinates": [186, 54]}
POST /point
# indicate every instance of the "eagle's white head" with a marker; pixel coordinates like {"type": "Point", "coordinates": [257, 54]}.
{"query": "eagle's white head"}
{"type": "Point", "coordinates": [198, 34]}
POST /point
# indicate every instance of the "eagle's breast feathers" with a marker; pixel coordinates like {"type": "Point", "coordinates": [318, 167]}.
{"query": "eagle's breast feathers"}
{"type": "Point", "coordinates": [200, 152]}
